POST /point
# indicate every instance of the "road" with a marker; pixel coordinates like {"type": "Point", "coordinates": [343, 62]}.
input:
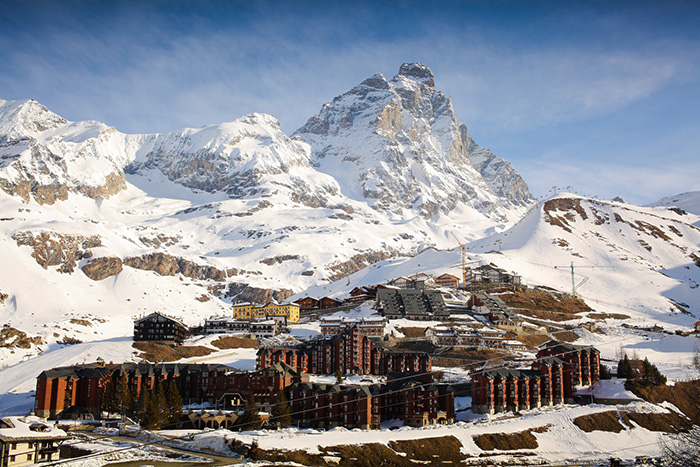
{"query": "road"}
{"type": "Point", "coordinates": [216, 460]}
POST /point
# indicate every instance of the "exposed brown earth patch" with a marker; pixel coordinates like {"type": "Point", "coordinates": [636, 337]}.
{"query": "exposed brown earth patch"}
{"type": "Point", "coordinates": [508, 441]}
{"type": "Point", "coordinates": [601, 421]}
{"type": "Point", "coordinates": [168, 265]}
{"type": "Point", "coordinates": [235, 342]}
{"type": "Point", "coordinates": [663, 422]}
{"type": "Point", "coordinates": [247, 293]}
{"type": "Point", "coordinates": [683, 395]}
{"type": "Point", "coordinates": [425, 451]}
{"type": "Point", "coordinates": [102, 268]}
{"type": "Point", "coordinates": [359, 261]}
{"type": "Point", "coordinates": [81, 322]}
{"type": "Point", "coordinates": [412, 332]}
{"type": "Point", "coordinates": [533, 340]}
{"type": "Point", "coordinates": [279, 259]}
{"type": "Point", "coordinates": [160, 240]}
{"type": "Point", "coordinates": [568, 206]}
{"type": "Point", "coordinates": [602, 316]}
{"type": "Point", "coordinates": [156, 352]}
{"type": "Point", "coordinates": [565, 336]}
{"type": "Point", "coordinates": [614, 421]}
{"type": "Point", "coordinates": [544, 304]}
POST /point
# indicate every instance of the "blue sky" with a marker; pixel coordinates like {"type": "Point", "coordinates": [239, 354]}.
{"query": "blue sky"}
{"type": "Point", "coordinates": [601, 96]}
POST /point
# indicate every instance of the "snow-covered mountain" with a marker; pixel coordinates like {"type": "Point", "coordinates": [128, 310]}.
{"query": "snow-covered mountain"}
{"type": "Point", "coordinates": [98, 226]}
{"type": "Point", "coordinates": [689, 202]}
{"type": "Point", "coordinates": [44, 157]}
{"type": "Point", "coordinates": [398, 144]}
{"type": "Point", "coordinates": [641, 262]}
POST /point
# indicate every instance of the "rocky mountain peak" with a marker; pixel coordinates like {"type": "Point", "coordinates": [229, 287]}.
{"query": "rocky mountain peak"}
{"type": "Point", "coordinates": [398, 145]}
{"type": "Point", "coordinates": [418, 72]}
{"type": "Point", "coordinates": [26, 118]}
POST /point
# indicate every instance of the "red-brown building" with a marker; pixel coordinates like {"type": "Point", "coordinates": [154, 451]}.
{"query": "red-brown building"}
{"type": "Point", "coordinates": [362, 294]}
{"type": "Point", "coordinates": [584, 360]}
{"type": "Point", "coordinates": [78, 391]}
{"type": "Point", "coordinates": [414, 399]}
{"type": "Point", "coordinates": [552, 380]}
{"type": "Point", "coordinates": [349, 351]}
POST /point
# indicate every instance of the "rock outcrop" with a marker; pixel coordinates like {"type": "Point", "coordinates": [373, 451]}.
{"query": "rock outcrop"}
{"type": "Point", "coordinates": [168, 265]}
{"type": "Point", "coordinates": [246, 293]}
{"type": "Point", "coordinates": [55, 249]}
{"type": "Point", "coordinates": [102, 268]}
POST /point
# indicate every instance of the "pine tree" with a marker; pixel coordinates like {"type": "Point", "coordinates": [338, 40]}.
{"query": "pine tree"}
{"type": "Point", "coordinates": [109, 398]}
{"type": "Point", "coordinates": [173, 403]}
{"type": "Point", "coordinates": [250, 419]}
{"type": "Point", "coordinates": [624, 368]}
{"type": "Point", "coordinates": [651, 374]}
{"type": "Point", "coordinates": [281, 412]}
{"type": "Point", "coordinates": [339, 376]}
{"type": "Point", "coordinates": [141, 413]}
{"type": "Point", "coordinates": [158, 409]}
{"type": "Point", "coordinates": [124, 399]}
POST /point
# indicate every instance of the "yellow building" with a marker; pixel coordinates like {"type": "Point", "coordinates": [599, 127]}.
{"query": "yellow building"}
{"type": "Point", "coordinates": [243, 310]}
{"type": "Point", "coordinates": [250, 311]}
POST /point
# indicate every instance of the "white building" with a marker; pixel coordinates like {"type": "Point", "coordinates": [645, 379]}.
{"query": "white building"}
{"type": "Point", "coordinates": [28, 440]}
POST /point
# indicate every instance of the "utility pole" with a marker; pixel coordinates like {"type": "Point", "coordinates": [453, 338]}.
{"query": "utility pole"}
{"type": "Point", "coordinates": [573, 279]}
{"type": "Point", "coordinates": [464, 263]}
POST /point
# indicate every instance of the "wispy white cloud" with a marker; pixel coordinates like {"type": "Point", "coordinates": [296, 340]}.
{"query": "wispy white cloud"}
{"type": "Point", "coordinates": [143, 75]}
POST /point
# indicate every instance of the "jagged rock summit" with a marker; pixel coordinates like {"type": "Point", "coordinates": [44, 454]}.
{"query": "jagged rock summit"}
{"type": "Point", "coordinates": [418, 72]}
{"type": "Point", "coordinates": [398, 145]}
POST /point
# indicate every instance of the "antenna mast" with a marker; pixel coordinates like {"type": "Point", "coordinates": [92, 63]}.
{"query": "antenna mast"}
{"type": "Point", "coordinates": [464, 264]}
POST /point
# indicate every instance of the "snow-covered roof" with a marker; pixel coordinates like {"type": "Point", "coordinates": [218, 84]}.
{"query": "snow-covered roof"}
{"type": "Point", "coordinates": [31, 427]}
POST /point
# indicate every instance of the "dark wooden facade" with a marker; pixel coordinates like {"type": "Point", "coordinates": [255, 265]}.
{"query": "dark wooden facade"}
{"type": "Point", "coordinates": [159, 327]}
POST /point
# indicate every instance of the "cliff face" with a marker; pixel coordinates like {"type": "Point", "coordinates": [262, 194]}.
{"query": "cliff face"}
{"type": "Point", "coordinates": [397, 144]}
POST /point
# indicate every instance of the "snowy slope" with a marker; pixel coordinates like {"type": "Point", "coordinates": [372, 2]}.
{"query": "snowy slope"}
{"type": "Point", "coordinates": [689, 202]}
{"type": "Point", "coordinates": [640, 262]}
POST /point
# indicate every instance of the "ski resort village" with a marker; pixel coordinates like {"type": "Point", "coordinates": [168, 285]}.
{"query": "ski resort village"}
{"type": "Point", "coordinates": [374, 289]}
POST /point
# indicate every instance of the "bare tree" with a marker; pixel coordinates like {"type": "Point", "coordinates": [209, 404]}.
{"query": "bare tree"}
{"type": "Point", "coordinates": [683, 450]}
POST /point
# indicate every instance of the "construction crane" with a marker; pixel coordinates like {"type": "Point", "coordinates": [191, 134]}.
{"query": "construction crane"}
{"type": "Point", "coordinates": [573, 279]}
{"type": "Point", "coordinates": [464, 262]}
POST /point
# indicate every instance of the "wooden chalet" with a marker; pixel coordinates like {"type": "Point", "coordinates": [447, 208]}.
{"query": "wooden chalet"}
{"type": "Point", "coordinates": [309, 304]}
{"type": "Point", "coordinates": [362, 294]}
{"type": "Point", "coordinates": [159, 327]}
{"type": "Point", "coordinates": [447, 280]}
